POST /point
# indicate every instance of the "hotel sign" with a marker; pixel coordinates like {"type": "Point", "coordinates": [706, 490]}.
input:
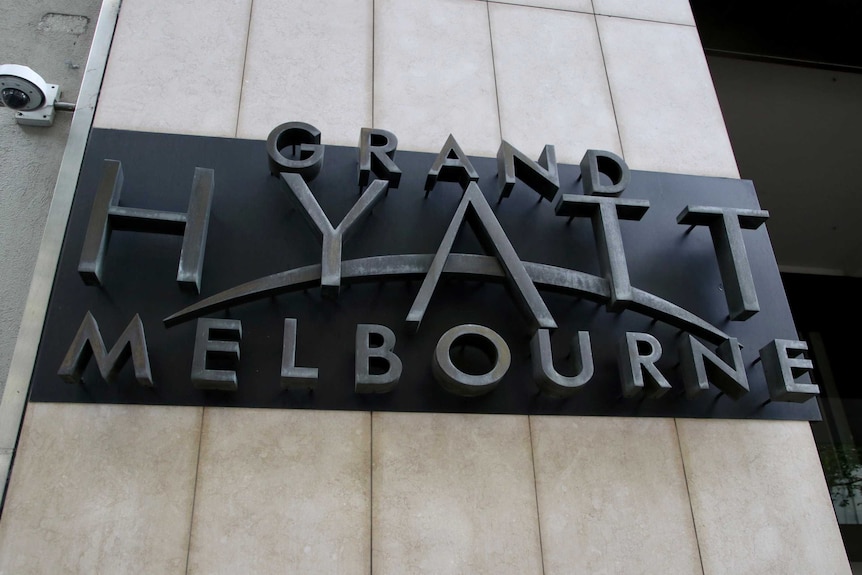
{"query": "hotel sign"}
{"type": "Point", "coordinates": [293, 274]}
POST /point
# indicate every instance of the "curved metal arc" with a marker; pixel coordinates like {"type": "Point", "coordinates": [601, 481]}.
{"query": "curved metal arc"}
{"type": "Point", "coordinates": [412, 266]}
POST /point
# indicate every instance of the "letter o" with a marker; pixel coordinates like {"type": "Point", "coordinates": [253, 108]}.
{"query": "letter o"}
{"type": "Point", "coordinates": [464, 384]}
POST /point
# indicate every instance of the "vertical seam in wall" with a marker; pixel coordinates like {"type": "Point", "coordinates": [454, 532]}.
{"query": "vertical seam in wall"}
{"type": "Point", "coordinates": [12, 453]}
{"type": "Point", "coordinates": [242, 77]}
{"type": "Point", "coordinates": [371, 493]}
{"type": "Point", "coordinates": [195, 488]}
{"type": "Point", "coordinates": [608, 77]}
{"type": "Point", "coordinates": [373, 48]}
{"type": "Point", "coordinates": [688, 494]}
{"type": "Point", "coordinates": [494, 72]}
{"type": "Point", "coordinates": [536, 492]}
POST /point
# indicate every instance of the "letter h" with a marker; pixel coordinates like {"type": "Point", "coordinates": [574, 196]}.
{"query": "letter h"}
{"type": "Point", "coordinates": [107, 215]}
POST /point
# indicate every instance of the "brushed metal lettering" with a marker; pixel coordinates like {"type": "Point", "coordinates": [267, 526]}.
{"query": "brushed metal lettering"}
{"type": "Point", "coordinates": [293, 377]}
{"type": "Point", "coordinates": [294, 134]}
{"type": "Point", "coordinates": [724, 369]}
{"type": "Point", "coordinates": [725, 227]}
{"type": "Point", "coordinates": [638, 354]}
{"type": "Point", "coordinates": [464, 384]}
{"type": "Point", "coordinates": [542, 176]}
{"type": "Point", "coordinates": [332, 239]}
{"type": "Point", "coordinates": [88, 343]}
{"type": "Point", "coordinates": [366, 353]}
{"type": "Point", "coordinates": [598, 162]}
{"type": "Point", "coordinates": [377, 155]}
{"type": "Point", "coordinates": [545, 374]}
{"type": "Point", "coordinates": [107, 216]}
{"type": "Point", "coordinates": [203, 377]}
{"type": "Point", "coordinates": [605, 214]}
{"type": "Point", "coordinates": [475, 209]}
{"type": "Point", "coordinates": [783, 369]}
{"type": "Point", "coordinates": [451, 165]}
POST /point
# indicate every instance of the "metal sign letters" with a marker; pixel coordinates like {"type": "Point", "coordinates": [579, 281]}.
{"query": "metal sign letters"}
{"type": "Point", "coordinates": [443, 238]}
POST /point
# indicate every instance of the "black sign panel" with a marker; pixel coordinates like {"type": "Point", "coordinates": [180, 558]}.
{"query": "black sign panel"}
{"type": "Point", "coordinates": [262, 266]}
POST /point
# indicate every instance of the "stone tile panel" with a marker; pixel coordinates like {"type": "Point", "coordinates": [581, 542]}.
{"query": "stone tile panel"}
{"type": "Point", "coordinates": [612, 496]}
{"type": "Point", "coordinates": [308, 62]}
{"type": "Point", "coordinates": [175, 67]}
{"type": "Point", "coordinates": [453, 493]}
{"type": "Point", "coordinates": [759, 498]}
{"type": "Point", "coordinates": [101, 489]}
{"type": "Point", "coordinates": [667, 111]}
{"type": "Point", "coordinates": [434, 75]}
{"type": "Point", "coordinates": [551, 82]}
{"type": "Point", "coordinates": [282, 491]}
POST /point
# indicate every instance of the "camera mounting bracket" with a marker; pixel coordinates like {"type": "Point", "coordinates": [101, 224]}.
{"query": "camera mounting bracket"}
{"type": "Point", "coordinates": [44, 116]}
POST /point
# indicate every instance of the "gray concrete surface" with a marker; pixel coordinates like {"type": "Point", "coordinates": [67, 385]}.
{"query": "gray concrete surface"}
{"type": "Point", "coordinates": [53, 38]}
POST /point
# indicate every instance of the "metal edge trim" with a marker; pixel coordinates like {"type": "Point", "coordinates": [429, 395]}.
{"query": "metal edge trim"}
{"type": "Point", "coordinates": [14, 401]}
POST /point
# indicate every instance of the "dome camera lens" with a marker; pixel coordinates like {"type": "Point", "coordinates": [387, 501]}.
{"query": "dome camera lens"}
{"type": "Point", "coordinates": [15, 98]}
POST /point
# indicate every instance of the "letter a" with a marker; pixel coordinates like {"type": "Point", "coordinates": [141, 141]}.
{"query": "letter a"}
{"type": "Point", "coordinates": [475, 208]}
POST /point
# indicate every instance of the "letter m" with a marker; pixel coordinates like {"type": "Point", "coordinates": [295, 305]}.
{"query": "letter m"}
{"type": "Point", "coordinates": [88, 342]}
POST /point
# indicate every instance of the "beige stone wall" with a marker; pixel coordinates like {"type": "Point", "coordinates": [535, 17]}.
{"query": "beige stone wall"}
{"type": "Point", "coordinates": [133, 489]}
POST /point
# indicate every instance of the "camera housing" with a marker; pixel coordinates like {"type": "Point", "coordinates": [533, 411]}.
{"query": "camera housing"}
{"type": "Point", "coordinates": [28, 94]}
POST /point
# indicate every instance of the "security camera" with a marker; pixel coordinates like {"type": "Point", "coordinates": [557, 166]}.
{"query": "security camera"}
{"type": "Point", "coordinates": [32, 98]}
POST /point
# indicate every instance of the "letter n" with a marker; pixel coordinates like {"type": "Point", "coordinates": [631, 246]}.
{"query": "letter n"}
{"type": "Point", "coordinates": [88, 343]}
{"type": "Point", "coordinates": [724, 369]}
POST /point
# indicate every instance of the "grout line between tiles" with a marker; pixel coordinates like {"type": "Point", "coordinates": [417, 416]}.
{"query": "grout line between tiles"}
{"type": "Point", "coordinates": [242, 77]}
{"type": "Point", "coordinates": [646, 20]}
{"type": "Point", "coordinates": [610, 88]}
{"type": "Point", "coordinates": [195, 488]}
{"type": "Point", "coordinates": [536, 491]}
{"type": "Point", "coordinates": [693, 25]}
{"type": "Point", "coordinates": [494, 71]}
{"type": "Point", "coordinates": [536, 7]}
{"type": "Point", "coordinates": [688, 494]}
